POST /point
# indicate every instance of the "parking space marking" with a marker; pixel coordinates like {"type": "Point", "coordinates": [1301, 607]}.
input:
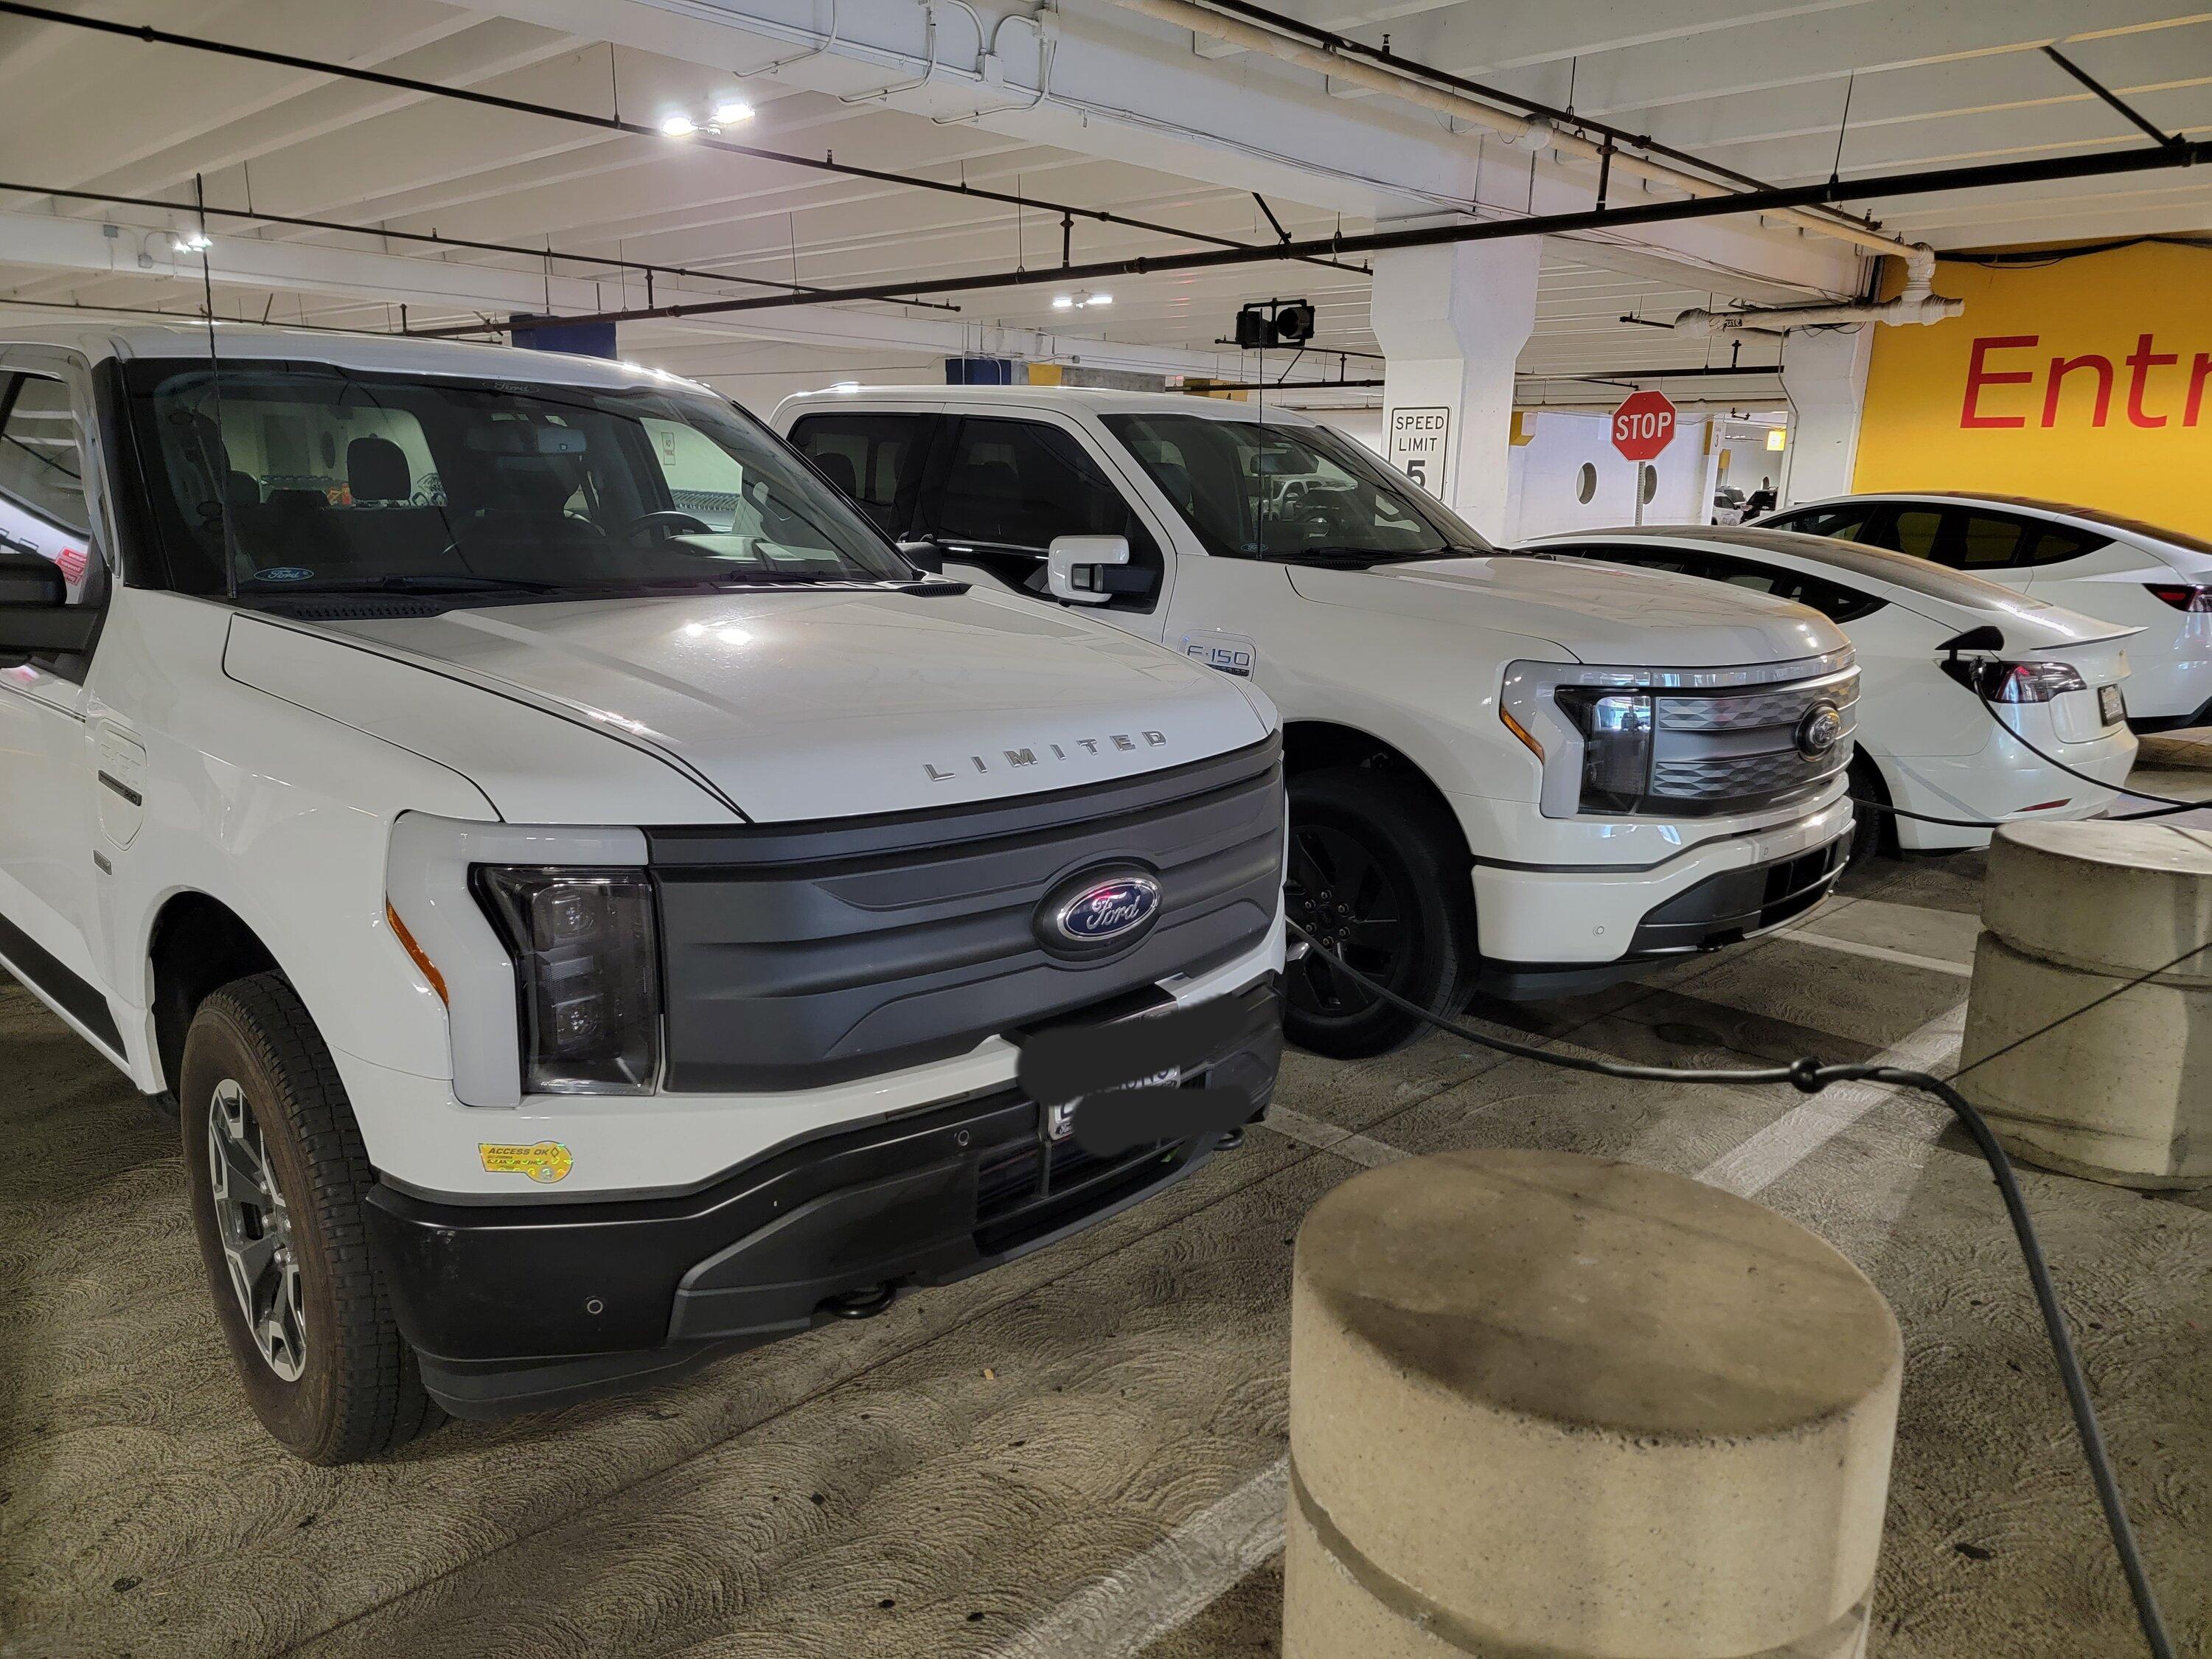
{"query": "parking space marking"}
{"type": "Point", "coordinates": [1851, 947]}
{"type": "Point", "coordinates": [1328, 1138]}
{"type": "Point", "coordinates": [1169, 1584]}
{"type": "Point", "coordinates": [1753, 1165]}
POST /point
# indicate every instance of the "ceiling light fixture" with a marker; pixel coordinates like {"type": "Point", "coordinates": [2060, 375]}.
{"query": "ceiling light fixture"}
{"type": "Point", "coordinates": [678, 126]}
{"type": "Point", "coordinates": [1081, 300]}
{"type": "Point", "coordinates": [194, 241]}
{"type": "Point", "coordinates": [730, 111]}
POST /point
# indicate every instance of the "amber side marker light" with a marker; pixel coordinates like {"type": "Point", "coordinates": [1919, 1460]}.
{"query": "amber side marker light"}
{"type": "Point", "coordinates": [407, 943]}
{"type": "Point", "coordinates": [1520, 732]}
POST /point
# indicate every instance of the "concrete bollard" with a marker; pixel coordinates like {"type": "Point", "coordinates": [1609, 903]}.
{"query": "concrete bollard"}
{"type": "Point", "coordinates": [2122, 1093]}
{"type": "Point", "coordinates": [1549, 1405]}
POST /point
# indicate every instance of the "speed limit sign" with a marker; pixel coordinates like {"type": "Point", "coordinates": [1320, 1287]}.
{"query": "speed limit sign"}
{"type": "Point", "coordinates": [1421, 445]}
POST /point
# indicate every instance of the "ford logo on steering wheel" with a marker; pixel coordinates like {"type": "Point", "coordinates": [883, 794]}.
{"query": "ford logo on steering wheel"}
{"type": "Point", "coordinates": [1099, 911]}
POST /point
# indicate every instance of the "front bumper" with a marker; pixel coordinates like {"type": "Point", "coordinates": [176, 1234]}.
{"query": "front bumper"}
{"type": "Point", "coordinates": [1586, 916]}
{"type": "Point", "coordinates": [518, 1308]}
{"type": "Point", "coordinates": [1714, 910]}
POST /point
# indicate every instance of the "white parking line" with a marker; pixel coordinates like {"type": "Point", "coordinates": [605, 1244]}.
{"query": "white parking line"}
{"type": "Point", "coordinates": [1851, 947]}
{"type": "Point", "coordinates": [1752, 1166]}
{"type": "Point", "coordinates": [1121, 1616]}
{"type": "Point", "coordinates": [1328, 1138]}
{"type": "Point", "coordinates": [1171, 1584]}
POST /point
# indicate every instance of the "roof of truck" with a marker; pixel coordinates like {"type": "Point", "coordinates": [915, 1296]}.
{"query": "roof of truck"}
{"type": "Point", "coordinates": [410, 354]}
{"type": "Point", "coordinates": [1098, 400]}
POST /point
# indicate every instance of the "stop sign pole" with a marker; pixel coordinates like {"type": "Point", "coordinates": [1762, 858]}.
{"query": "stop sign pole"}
{"type": "Point", "coordinates": [1643, 426]}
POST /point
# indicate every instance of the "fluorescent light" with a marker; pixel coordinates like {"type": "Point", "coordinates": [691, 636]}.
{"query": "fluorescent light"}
{"type": "Point", "coordinates": [194, 241]}
{"type": "Point", "coordinates": [678, 126]}
{"type": "Point", "coordinates": [1063, 302]}
{"type": "Point", "coordinates": [730, 111]}
{"type": "Point", "coordinates": [1100, 299]}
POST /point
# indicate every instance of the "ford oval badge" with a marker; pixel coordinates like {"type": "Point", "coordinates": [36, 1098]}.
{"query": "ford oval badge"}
{"type": "Point", "coordinates": [1099, 911]}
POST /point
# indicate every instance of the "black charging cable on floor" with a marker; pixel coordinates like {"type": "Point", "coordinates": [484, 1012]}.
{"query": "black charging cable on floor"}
{"type": "Point", "coordinates": [1809, 1076]}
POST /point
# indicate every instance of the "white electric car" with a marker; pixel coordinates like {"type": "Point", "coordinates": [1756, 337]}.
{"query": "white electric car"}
{"type": "Point", "coordinates": [2084, 559]}
{"type": "Point", "coordinates": [590, 899]}
{"type": "Point", "coordinates": [1507, 772]}
{"type": "Point", "coordinates": [1926, 742]}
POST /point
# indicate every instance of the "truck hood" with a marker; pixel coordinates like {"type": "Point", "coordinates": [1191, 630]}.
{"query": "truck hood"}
{"type": "Point", "coordinates": [796, 705]}
{"type": "Point", "coordinates": [1605, 615]}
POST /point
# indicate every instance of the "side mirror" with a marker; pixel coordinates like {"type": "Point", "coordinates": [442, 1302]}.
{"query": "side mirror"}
{"type": "Point", "coordinates": [924, 555]}
{"type": "Point", "coordinates": [1075, 566]}
{"type": "Point", "coordinates": [36, 617]}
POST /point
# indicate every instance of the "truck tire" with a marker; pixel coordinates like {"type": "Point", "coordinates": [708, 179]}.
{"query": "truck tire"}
{"type": "Point", "coordinates": [1377, 872]}
{"type": "Point", "coordinates": [1872, 832]}
{"type": "Point", "coordinates": [277, 1174]}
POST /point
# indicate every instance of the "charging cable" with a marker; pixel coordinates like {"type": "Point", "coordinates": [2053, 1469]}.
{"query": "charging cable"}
{"type": "Point", "coordinates": [1809, 1076]}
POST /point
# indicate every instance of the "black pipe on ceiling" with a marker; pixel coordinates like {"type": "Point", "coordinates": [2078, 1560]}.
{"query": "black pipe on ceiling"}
{"type": "Point", "coordinates": [432, 238]}
{"type": "Point", "coordinates": [147, 34]}
{"type": "Point", "coordinates": [1344, 44]}
{"type": "Point", "coordinates": [1925, 182]}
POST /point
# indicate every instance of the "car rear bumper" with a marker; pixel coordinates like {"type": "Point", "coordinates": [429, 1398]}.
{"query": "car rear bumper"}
{"type": "Point", "coordinates": [2004, 784]}
{"type": "Point", "coordinates": [521, 1307]}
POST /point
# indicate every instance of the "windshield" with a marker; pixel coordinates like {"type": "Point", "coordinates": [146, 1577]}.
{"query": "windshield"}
{"type": "Point", "coordinates": [318, 477]}
{"type": "Point", "coordinates": [1297, 492]}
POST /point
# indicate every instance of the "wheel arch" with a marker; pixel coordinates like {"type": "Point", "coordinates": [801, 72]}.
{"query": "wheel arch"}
{"type": "Point", "coordinates": [197, 944]}
{"type": "Point", "coordinates": [1313, 746]}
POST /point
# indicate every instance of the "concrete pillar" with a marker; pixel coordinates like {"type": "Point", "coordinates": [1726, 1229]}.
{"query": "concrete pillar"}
{"type": "Point", "coordinates": [1824, 376]}
{"type": "Point", "coordinates": [1546, 1404]}
{"type": "Point", "coordinates": [1451, 322]}
{"type": "Point", "coordinates": [2122, 1093]}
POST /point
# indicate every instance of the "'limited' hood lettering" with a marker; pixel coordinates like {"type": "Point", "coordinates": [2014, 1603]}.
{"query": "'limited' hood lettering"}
{"type": "Point", "coordinates": [1009, 760]}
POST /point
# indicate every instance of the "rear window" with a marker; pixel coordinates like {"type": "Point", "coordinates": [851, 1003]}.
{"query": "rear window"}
{"type": "Point", "coordinates": [877, 459]}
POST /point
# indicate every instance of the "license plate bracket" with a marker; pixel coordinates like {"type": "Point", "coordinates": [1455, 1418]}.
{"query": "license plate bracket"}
{"type": "Point", "coordinates": [2111, 704]}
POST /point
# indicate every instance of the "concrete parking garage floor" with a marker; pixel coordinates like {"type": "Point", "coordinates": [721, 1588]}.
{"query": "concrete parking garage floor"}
{"type": "Point", "coordinates": [1081, 1454]}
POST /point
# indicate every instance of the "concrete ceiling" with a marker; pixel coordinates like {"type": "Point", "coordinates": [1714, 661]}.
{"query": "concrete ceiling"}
{"type": "Point", "coordinates": [1141, 120]}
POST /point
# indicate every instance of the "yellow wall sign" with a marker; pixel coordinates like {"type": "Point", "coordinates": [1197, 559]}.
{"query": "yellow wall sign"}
{"type": "Point", "coordinates": [2087, 381]}
{"type": "Point", "coordinates": [546, 1161]}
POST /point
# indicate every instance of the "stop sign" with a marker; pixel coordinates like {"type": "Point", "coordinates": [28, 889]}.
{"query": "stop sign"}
{"type": "Point", "coordinates": [1643, 426]}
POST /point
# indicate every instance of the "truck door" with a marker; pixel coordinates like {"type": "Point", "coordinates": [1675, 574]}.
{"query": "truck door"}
{"type": "Point", "coordinates": [46, 769]}
{"type": "Point", "coordinates": [1003, 487]}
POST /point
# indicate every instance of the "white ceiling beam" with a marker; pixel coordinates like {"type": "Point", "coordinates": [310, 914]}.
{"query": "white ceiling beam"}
{"type": "Point", "coordinates": [443, 287]}
{"type": "Point", "coordinates": [1130, 90]}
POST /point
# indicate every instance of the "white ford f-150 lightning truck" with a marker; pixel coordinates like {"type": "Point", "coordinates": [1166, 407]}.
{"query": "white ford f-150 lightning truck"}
{"type": "Point", "coordinates": [590, 899]}
{"type": "Point", "coordinates": [1507, 773]}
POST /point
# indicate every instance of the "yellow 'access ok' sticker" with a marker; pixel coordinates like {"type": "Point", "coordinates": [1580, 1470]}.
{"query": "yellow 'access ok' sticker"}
{"type": "Point", "coordinates": [547, 1161]}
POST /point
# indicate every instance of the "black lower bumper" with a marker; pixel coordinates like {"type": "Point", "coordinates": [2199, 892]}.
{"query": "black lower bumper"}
{"type": "Point", "coordinates": [518, 1308]}
{"type": "Point", "coordinates": [1719, 911]}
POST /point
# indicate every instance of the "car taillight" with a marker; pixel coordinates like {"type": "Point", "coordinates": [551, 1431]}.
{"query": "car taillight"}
{"type": "Point", "coordinates": [2182, 596]}
{"type": "Point", "coordinates": [2028, 682]}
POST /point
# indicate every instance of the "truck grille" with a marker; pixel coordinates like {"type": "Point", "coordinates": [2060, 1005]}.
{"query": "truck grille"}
{"type": "Point", "coordinates": [1719, 750]}
{"type": "Point", "coordinates": [800, 955]}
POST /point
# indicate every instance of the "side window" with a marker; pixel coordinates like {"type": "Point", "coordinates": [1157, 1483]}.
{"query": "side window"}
{"type": "Point", "coordinates": [42, 505]}
{"type": "Point", "coordinates": [1846, 524]}
{"type": "Point", "coordinates": [1990, 541]}
{"type": "Point", "coordinates": [877, 459]}
{"type": "Point", "coordinates": [1010, 486]}
{"type": "Point", "coordinates": [2058, 543]}
{"type": "Point", "coordinates": [1913, 530]}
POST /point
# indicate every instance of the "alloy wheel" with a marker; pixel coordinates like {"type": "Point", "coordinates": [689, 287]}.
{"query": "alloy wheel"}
{"type": "Point", "coordinates": [1342, 894]}
{"type": "Point", "coordinates": [255, 1226]}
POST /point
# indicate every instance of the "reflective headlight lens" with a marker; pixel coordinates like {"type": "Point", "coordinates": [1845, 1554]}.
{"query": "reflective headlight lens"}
{"type": "Point", "coordinates": [587, 964]}
{"type": "Point", "coordinates": [1616, 728]}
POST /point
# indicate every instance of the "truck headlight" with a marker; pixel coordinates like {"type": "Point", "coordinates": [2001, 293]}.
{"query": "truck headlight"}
{"type": "Point", "coordinates": [588, 971]}
{"type": "Point", "coordinates": [1616, 731]}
